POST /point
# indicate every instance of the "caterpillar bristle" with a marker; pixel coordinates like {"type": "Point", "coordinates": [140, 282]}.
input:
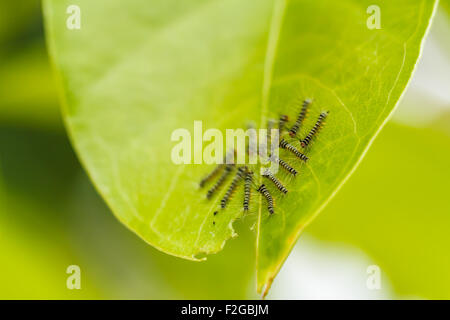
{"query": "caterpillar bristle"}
{"type": "Point", "coordinates": [301, 117]}
{"type": "Point", "coordinates": [315, 130]}
{"type": "Point", "coordinates": [263, 190]}
{"type": "Point", "coordinates": [285, 145]}
{"type": "Point", "coordinates": [234, 183]}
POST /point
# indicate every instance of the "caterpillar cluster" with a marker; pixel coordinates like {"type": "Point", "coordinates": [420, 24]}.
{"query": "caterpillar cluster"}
{"type": "Point", "coordinates": [243, 174]}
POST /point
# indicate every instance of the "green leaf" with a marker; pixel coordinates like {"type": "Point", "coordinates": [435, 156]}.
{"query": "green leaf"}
{"type": "Point", "coordinates": [168, 64]}
{"type": "Point", "coordinates": [134, 72]}
{"type": "Point", "coordinates": [401, 215]}
{"type": "Point", "coordinates": [445, 4]}
{"type": "Point", "coordinates": [442, 25]}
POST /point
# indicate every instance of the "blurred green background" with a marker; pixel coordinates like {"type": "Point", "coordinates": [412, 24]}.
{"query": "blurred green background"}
{"type": "Point", "coordinates": [395, 210]}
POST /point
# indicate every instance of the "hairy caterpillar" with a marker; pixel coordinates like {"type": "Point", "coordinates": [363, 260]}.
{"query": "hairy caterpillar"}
{"type": "Point", "coordinates": [269, 175]}
{"type": "Point", "coordinates": [218, 184]}
{"type": "Point", "coordinates": [300, 118]}
{"type": "Point", "coordinates": [319, 123]}
{"type": "Point", "coordinates": [285, 145]}
{"type": "Point", "coordinates": [237, 178]}
{"type": "Point", "coordinates": [263, 190]}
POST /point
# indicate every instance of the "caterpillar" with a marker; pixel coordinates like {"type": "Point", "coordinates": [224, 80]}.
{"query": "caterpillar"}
{"type": "Point", "coordinates": [263, 190]}
{"type": "Point", "coordinates": [211, 175]}
{"type": "Point", "coordinates": [300, 118]}
{"type": "Point", "coordinates": [319, 123]}
{"type": "Point", "coordinates": [219, 182]}
{"type": "Point", "coordinates": [286, 166]}
{"type": "Point", "coordinates": [237, 178]}
{"type": "Point", "coordinates": [218, 168]}
{"type": "Point", "coordinates": [247, 189]}
{"type": "Point", "coordinates": [282, 122]}
{"type": "Point", "coordinates": [269, 175]}
{"type": "Point", "coordinates": [246, 175]}
{"type": "Point", "coordinates": [285, 145]}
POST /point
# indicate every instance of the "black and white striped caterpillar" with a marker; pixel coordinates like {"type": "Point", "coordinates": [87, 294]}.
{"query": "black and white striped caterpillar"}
{"type": "Point", "coordinates": [285, 145]}
{"type": "Point", "coordinates": [211, 175]}
{"type": "Point", "coordinates": [237, 178]}
{"type": "Point", "coordinates": [286, 166]}
{"type": "Point", "coordinates": [263, 190]}
{"type": "Point", "coordinates": [269, 175]}
{"type": "Point", "coordinates": [300, 118]}
{"type": "Point", "coordinates": [319, 123]}
{"type": "Point", "coordinates": [247, 188]}
{"type": "Point", "coordinates": [218, 184]}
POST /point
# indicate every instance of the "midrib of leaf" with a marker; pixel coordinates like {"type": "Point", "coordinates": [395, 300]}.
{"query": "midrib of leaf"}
{"type": "Point", "coordinates": [279, 9]}
{"type": "Point", "coordinates": [272, 43]}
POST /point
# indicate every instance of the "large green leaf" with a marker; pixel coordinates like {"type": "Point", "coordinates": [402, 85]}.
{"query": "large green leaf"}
{"type": "Point", "coordinates": [442, 25]}
{"type": "Point", "coordinates": [401, 216]}
{"type": "Point", "coordinates": [134, 72]}
{"type": "Point", "coordinates": [445, 4]}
